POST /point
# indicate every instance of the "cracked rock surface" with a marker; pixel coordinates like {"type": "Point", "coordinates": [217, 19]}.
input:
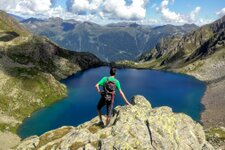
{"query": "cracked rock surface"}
{"type": "Point", "coordinates": [132, 127]}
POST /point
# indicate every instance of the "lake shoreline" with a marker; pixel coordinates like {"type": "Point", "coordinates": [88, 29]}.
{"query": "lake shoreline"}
{"type": "Point", "coordinates": [213, 114]}
{"type": "Point", "coordinates": [166, 100]}
{"type": "Point", "coordinates": [205, 96]}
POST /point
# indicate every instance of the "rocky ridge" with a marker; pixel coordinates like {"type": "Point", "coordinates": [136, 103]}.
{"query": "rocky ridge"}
{"type": "Point", "coordinates": [177, 52]}
{"type": "Point", "coordinates": [132, 127]}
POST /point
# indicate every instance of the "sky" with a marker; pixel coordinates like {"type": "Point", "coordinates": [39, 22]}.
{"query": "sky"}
{"type": "Point", "coordinates": [149, 12]}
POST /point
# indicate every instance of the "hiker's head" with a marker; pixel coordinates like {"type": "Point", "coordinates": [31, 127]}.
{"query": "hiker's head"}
{"type": "Point", "coordinates": [113, 71]}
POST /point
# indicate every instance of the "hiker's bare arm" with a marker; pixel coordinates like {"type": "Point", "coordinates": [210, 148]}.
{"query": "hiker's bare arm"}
{"type": "Point", "coordinates": [124, 97]}
{"type": "Point", "coordinates": [97, 88]}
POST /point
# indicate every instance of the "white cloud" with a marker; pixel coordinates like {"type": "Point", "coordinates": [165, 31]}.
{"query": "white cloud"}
{"type": "Point", "coordinates": [101, 14]}
{"type": "Point", "coordinates": [40, 9]}
{"type": "Point", "coordinates": [221, 13]}
{"type": "Point", "coordinates": [109, 9]}
{"type": "Point", "coordinates": [103, 11]}
{"type": "Point", "coordinates": [86, 5]}
{"type": "Point", "coordinates": [203, 21]}
{"type": "Point", "coordinates": [118, 8]}
{"type": "Point", "coordinates": [26, 7]}
{"type": "Point", "coordinates": [167, 14]}
{"type": "Point", "coordinates": [170, 16]}
{"type": "Point", "coordinates": [194, 13]}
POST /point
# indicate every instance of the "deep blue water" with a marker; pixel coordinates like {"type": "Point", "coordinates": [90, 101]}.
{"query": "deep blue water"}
{"type": "Point", "coordinates": [181, 92]}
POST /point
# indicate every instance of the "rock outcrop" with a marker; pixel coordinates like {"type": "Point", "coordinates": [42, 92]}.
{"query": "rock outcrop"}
{"type": "Point", "coordinates": [132, 127]}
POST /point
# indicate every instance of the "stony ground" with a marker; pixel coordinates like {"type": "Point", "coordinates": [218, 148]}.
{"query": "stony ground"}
{"type": "Point", "coordinates": [137, 126]}
{"type": "Point", "coordinates": [212, 71]}
{"type": "Point", "coordinates": [214, 102]}
{"type": "Point", "coordinates": [8, 140]}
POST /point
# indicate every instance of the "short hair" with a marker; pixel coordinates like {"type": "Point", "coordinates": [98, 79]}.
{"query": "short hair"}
{"type": "Point", "coordinates": [113, 71]}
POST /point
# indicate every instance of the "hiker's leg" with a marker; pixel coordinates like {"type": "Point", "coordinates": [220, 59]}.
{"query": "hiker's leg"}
{"type": "Point", "coordinates": [109, 107]}
{"type": "Point", "coordinates": [101, 103]}
{"type": "Point", "coordinates": [107, 120]}
{"type": "Point", "coordinates": [99, 114]}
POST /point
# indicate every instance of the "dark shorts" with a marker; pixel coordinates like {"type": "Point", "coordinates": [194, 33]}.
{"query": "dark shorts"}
{"type": "Point", "coordinates": [109, 105]}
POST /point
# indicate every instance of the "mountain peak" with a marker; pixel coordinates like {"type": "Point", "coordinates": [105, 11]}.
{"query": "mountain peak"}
{"type": "Point", "coordinates": [31, 20]}
{"type": "Point", "coordinates": [18, 18]}
{"type": "Point", "coordinates": [56, 19]}
{"type": "Point", "coordinates": [190, 25]}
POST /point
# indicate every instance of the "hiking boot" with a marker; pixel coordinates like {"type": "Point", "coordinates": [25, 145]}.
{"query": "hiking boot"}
{"type": "Point", "coordinates": [100, 123]}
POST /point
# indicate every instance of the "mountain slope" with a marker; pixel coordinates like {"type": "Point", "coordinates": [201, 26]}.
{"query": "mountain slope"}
{"type": "Point", "coordinates": [8, 24]}
{"type": "Point", "coordinates": [200, 53]}
{"type": "Point", "coordinates": [30, 67]}
{"type": "Point", "coordinates": [111, 42]}
{"type": "Point", "coordinates": [176, 52]}
{"type": "Point", "coordinates": [18, 18]}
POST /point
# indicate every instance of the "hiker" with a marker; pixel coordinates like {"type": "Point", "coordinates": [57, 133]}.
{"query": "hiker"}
{"type": "Point", "coordinates": [109, 84]}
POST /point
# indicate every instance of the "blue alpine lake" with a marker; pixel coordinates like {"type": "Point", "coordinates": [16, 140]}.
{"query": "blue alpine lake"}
{"type": "Point", "coordinates": [180, 92]}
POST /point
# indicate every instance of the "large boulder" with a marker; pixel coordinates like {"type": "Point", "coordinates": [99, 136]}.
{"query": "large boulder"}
{"type": "Point", "coordinates": [132, 127]}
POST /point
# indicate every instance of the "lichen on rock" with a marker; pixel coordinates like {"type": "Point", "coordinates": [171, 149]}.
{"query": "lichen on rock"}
{"type": "Point", "coordinates": [137, 126]}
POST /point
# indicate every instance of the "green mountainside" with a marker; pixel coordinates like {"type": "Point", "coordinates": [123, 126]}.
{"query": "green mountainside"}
{"type": "Point", "coordinates": [110, 42]}
{"type": "Point", "coordinates": [30, 70]}
{"type": "Point", "coordinates": [206, 43]}
{"type": "Point", "coordinates": [199, 53]}
{"type": "Point", "coordinates": [10, 28]}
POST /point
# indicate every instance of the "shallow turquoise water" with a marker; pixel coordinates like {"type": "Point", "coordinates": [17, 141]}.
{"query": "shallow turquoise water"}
{"type": "Point", "coordinates": [180, 92]}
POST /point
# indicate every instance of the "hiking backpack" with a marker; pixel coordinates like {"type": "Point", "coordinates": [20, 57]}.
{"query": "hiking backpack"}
{"type": "Point", "coordinates": [109, 89]}
{"type": "Point", "coordinates": [110, 86]}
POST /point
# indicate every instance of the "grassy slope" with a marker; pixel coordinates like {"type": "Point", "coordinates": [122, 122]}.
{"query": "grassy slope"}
{"type": "Point", "coordinates": [24, 87]}
{"type": "Point", "coordinates": [29, 67]}
{"type": "Point", "coordinates": [22, 95]}
{"type": "Point", "coordinates": [8, 24]}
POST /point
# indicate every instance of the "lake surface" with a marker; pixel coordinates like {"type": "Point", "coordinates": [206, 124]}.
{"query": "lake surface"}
{"type": "Point", "coordinates": [180, 92]}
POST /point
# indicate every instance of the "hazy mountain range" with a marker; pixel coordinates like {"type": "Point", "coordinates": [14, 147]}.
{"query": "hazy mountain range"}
{"type": "Point", "coordinates": [112, 42]}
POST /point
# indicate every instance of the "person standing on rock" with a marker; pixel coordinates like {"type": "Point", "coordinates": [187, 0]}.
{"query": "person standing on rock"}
{"type": "Point", "coordinates": [109, 84]}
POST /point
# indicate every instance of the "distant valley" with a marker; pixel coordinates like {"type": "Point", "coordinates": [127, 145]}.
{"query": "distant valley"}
{"type": "Point", "coordinates": [112, 42]}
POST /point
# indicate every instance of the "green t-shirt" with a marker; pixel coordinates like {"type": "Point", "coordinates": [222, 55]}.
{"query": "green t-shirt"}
{"type": "Point", "coordinates": [104, 79]}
